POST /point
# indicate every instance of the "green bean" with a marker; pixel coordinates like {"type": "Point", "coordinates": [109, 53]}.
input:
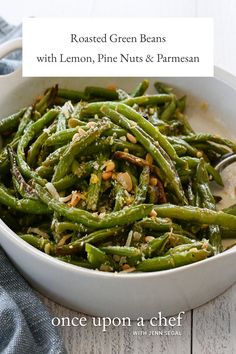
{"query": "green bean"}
{"type": "Point", "coordinates": [82, 169]}
{"type": "Point", "coordinates": [150, 209]}
{"type": "Point", "coordinates": [197, 201]}
{"type": "Point", "coordinates": [95, 256]}
{"type": "Point", "coordinates": [63, 116]}
{"type": "Point", "coordinates": [162, 88]}
{"type": "Point", "coordinates": [95, 237]}
{"type": "Point", "coordinates": [129, 215]}
{"type": "Point", "coordinates": [101, 146]}
{"type": "Point", "coordinates": [170, 174]}
{"type": "Point", "coordinates": [123, 251]}
{"type": "Point", "coordinates": [208, 146]}
{"type": "Point", "coordinates": [4, 158]}
{"type": "Point", "coordinates": [140, 89]}
{"type": "Point", "coordinates": [178, 239]}
{"type": "Point", "coordinates": [172, 261]}
{"type": "Point", "coordinates": [159, 224]}
{"type": "Point", "coordinates": [63, 226]}
{"type": "Point", "coordinates": [136, 149]}
{"type": "Point", "coordinates": [94, 189]}
{"type": "Point", "coordinates": [192, 151]}
{"type": "Point", "coordinates": [72, 95]}
{"type": "Point", "coordinates": [29, 206]}
{"type": "Point", "coordinates": [45, 171]}
{"type": "Point", "coordinates": [120, 197]}
{"type": "Point", "coordinates": [192, 163]}
{"type": "Point", "coordinates": [215, 174]}
{"type": "Point", "coordinates": [175, 127]}
{"type": "Point", "coordinates": [184, 121]}
{"type": "Point", "coordinates": [61, 137]}
{"type": "Point", "coordinates": [95, 107]}
{"type": "Point", "coordinates": [210, 137]}
{"type": "Point", "coordinates": [54, 157]}
{"type": "Point", "coordinates": [116, 132]}
{"type": "Point", "coordinates": [47, 99]}
{"type": "Point", "coordinates": [35, 115]}
{"type": "Point", "coordinates": [66, 182]}
{"type": "Point", "coordinates": [79, 262]}
{"type": "Point", "coordinates": [208, 201]}
{"type": "Point", "coordinates": [104, 93]}
{"type": "Point", "coordinates": [160, 124]}
{"type": "Point", "coordinates": [39, 243]}
{"type": "Point", "coordinates": [180, 149]}
{"type": "Point", "coordinates": [35, 148]}
{"type": "Point", "coordinates": [24, 122]}
{"type": "Point", "coordinates": [101, 235]}
{"type": "Point", "coordinates": [23, 188]}
{"type": "Point", "coordinates": [156, 245]}
{"type": "Point", "coordinates": [148, 128]}
{"type": "Point", "coordinates": [189, 246]}
{"type": "Point", "coordinates": [10, 123]}
{"type": "Point", "coordinates": [147, 100]}
{"type": "Point", "coordinates": [64, 137]}
{"type": "Point", "coordinates": [142, 189]}
{"type": "Point", "coordinates": [195, 214]}
{"type": "Point", "coordinates": [230, 210]}
{"type": "Point", "coordinates": [24, 141]}
{"type": "Point", "coordinates": [226, 233]}
{"type": "Point", "coordinates": [170, 110]}
{"type": "Point", "coordinates": [77, 146]}
{"type": "Point", "coordinates": [190, 194]}
{"type": "Point", "coordinates": [202, 179]}
{"type": "Point", "coordinates": [181, 104]}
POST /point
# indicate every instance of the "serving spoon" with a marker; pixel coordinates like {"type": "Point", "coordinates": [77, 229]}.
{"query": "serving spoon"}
{"type": "Point", "coordinates": [225, 161]}
{"type": "Point", "coordinates": [228, 193]}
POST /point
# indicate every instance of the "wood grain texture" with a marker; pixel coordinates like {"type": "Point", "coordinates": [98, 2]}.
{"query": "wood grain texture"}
{"type": "Point", "coordinates": [147, 8]}
{"type": "Point", "coordinates": [14, 11]}
{"type": "Point", "coordinates": [214, 325]}
{"type": "Point", "coordinates": [118, 340]}
{"type": "Point", "coordinates": [223, 13]}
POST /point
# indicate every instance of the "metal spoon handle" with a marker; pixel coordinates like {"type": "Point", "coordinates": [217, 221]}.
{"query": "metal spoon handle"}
{"type": "Point", "coordinates": [225, 161]}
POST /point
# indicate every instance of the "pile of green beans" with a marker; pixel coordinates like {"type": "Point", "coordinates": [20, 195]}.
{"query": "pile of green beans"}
{"type": "Point", "coordinates": [111, 180]}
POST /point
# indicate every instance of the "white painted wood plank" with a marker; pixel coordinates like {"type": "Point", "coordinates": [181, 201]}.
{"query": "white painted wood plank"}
{"type": "Point", "coordinates": [214, 325]}
{"type": "Point", "coordinates": [224, 14]}
{"type": "Point", "coordinates": [147, 8]}
{"type": "Point", "coordinates": [14, 11]}
{"type": "Point", "coordinates": [118, 340]}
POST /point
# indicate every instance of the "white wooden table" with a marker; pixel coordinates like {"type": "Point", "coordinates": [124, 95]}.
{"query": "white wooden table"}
{"type": "Point", "coordinates": [212, 327]}
{"type": "Point", "coordinates": [209, 329]}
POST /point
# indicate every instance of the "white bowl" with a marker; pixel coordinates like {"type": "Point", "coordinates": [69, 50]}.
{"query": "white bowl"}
{"type": "Point", "coordinates": [133, 295]}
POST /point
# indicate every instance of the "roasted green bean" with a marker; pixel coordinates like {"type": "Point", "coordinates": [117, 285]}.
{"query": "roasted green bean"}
{"type": "Point", "coordinates": [112, 180]}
